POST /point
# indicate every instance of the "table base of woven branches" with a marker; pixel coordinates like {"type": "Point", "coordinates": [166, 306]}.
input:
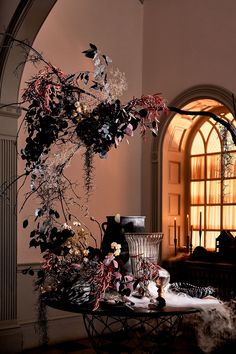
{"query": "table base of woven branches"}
{"type": "Point", "coordinates": [140, 331]}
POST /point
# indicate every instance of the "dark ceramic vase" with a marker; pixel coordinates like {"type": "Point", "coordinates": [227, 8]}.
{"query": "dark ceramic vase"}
{"type": "Point", "coordinates": [114, 232]}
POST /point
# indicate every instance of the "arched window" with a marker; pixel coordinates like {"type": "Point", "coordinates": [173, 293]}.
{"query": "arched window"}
{"type": "Point", "coordinates": [212, 182]}
{"type": "Point", "coordinates": [188, 175]}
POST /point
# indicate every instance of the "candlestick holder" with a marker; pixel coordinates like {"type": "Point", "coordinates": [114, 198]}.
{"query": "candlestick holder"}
{"type": "Point", "coordinates": [200, 237]}
{"type": "Point", "coordinates": [187, 244]}
{"type": "Point", "coordinates": [191, 248]}
{"type": "Point", "coordinates": [191, 240]}
{"type": "Point", "coordinates": [175, 243]}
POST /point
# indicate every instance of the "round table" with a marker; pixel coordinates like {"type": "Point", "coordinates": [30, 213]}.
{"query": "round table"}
{"type": "Point", "coordinates": [121, 329]}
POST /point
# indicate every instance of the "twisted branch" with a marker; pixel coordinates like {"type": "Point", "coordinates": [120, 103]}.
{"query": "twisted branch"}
{"type": "Point", "coordinates": [225, 123]}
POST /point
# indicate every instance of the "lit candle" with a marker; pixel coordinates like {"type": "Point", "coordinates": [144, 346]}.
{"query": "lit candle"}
{"type": "Point", "coordinates": [187, 225]}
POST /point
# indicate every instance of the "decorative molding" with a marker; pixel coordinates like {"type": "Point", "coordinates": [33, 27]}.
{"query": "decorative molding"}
{"type": "Point", "coordinates": [176, 138]}
{"type": "Point", "coordinates": [174, 204]}
{"type": "Point", "coordinates": [12, 29]}
{"type": "Point", "coordinates": [204, 91]}
{"type": "Point", "coordinates": [10, 55]}
{"type": "Point", "coordinates": [174, 172]}
{"type": "Point", "coordinates": [14, 26]}
{"type": "Point", "coordinates": [10, 111]}
{"type": "Point", "coordinates": [8, 231]}
{"type": "Point", "coordinates": [22, 266]}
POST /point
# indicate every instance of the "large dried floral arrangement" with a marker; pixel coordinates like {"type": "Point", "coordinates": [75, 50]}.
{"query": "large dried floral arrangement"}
{"type": "Point", "coordinates": [65, 113]}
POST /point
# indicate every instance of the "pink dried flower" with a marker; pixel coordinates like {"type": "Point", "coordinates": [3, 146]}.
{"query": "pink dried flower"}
{"type": "Point", "coordinates": [129, 130]}
{"type": "Point", "coordinates": [102, 280]}
{"type": "Point", "coordinates": [148, 109]}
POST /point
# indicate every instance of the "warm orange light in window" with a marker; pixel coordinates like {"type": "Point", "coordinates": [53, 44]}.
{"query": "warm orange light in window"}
{"type": "Point", "coordinates": [212, 188]}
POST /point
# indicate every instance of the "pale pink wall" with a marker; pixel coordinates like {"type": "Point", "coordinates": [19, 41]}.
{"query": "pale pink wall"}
{"type": "Point", "coordinates": [186, 43]}
{"type": "Point", "coordinates": [116, 28]}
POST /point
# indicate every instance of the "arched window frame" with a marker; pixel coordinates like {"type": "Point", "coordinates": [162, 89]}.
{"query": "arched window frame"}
{"type": "Point", "coordinates": [156, 191]}
{"type": "Point", "coordinates": [215, 187]}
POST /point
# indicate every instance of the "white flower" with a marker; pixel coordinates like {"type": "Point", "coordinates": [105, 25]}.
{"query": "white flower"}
{"type": "Point", "coordinates": [113, 245]}
{"type": "Point", "coordinates": [117, 248]}
{"type": "Point", "coordinates": [77, 104]}
{"type": "Point", "coordinates": [117, 252]}
{"type": "Point", "coordinates": [76, 223]}
{"type": "Point", "coordinates": [85, 252]}
{"type": "Point", "coordinates": [66, 226]}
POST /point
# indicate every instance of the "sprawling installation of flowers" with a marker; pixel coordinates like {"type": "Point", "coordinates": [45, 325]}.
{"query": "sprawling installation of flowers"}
{"type": "Point", "coordinates": [65, 113]}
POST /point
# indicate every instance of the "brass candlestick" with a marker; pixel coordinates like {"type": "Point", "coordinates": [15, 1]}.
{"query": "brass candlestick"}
{"type": "Point", "coordinates": [161, 302]}
{"type": "Point", "coordinates": [159, 285]}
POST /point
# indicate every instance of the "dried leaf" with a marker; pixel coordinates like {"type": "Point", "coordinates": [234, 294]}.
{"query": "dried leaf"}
{"type": "Point", "coordinates": [25, 223]}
